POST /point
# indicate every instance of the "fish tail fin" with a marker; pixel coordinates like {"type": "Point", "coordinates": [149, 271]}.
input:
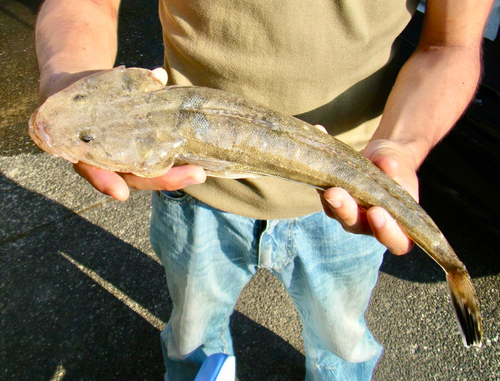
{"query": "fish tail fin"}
{"type": "Point", "coordinates": [466, 305]}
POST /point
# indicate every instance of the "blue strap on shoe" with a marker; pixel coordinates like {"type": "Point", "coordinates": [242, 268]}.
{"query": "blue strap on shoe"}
{"type": "Point", "coordinates": [217, 367]}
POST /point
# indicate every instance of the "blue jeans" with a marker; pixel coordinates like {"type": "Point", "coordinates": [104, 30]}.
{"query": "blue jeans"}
{"type": "Point", "coordinates": [210, 255]}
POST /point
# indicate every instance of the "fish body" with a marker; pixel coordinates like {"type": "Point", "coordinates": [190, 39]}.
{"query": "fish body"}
{"type": "Point", "coordinates": [125, 120]}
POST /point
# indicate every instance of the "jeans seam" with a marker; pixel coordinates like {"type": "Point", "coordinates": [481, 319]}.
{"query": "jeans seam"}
{"type": "Point", "coordinates": [309, 349]}
{"type": "Point", "coordinates": [289, 254]}
{"type": "Point", "coordinates": [312, 355]}
{"type": "Point", "coordinates": [225, 326]}
{"type": "Point", "coordinates": [290, 246]}
{"type": "Point", "coordinates": [323, 366]}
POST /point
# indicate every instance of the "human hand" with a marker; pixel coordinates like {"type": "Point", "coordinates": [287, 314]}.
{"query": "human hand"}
{"type": "Point", "coordinates": [393, 159]}
{"type": "Point", "coordinates": [115, 184]}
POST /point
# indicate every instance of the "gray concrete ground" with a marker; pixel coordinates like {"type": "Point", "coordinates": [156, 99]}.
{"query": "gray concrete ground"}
{"type": "Point", "coordinates": [82, 296]}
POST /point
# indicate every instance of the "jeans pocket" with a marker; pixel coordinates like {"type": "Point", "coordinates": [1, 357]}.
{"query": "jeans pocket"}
{"type": "Point", "coordinates": [177, 195]}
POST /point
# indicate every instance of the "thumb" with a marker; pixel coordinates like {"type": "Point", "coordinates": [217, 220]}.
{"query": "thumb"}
{"type": "Point", "coordinates": [392, 159]}
{"type": "Point", "coordinates": [160, 74]}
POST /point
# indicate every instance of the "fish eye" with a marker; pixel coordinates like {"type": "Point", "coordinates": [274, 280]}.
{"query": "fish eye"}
{"type": "Point", "coordinates": [87, 136]}
{"type": "Point", "coordinates": [79, 97]}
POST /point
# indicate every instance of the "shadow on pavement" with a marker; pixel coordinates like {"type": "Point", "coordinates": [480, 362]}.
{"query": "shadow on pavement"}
{"type": "Point", "coordinates": [55, 315]}
{"type": "Point", "coordinates": [32, 5]}
{"type": "Point", "coordinates": [56, 318]}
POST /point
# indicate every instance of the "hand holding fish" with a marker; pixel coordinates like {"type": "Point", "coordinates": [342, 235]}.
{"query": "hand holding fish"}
{"type": "Point", "coordinates": [390, 158]}
{"type": "Point", "coordinates": [117, 185]}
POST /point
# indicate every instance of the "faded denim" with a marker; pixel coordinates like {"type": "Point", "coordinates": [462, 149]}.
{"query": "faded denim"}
{"type": "Point", "coordinates": [210, 255]}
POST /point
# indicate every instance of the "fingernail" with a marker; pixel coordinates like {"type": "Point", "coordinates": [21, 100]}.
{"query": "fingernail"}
{"type": "Point", "coordinates": [378, 220]}
{"type": "Point", "coordinates": [334, 203]}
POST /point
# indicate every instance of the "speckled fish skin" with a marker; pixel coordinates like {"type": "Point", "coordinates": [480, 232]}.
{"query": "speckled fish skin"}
{"type": "Point", "coordinates": [125, 120]}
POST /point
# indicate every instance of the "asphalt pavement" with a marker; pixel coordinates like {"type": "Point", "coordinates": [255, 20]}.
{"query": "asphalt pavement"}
{"type": "Point", "coordinates": [82, 296]}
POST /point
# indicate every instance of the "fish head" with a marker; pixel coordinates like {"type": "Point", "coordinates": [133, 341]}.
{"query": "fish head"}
{"type": "Point", "coordinates": [100, 121]}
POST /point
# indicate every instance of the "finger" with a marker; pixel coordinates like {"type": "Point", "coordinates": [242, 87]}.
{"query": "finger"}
{"type": "Point", "coordinates": [175, 178]}
{"type": "Point", "coordinates": [388, 232]}
{"type": "Point", "coordinates": [160, 74]}
{"type": "Point", "coordinates": [105, 182]}
{"type": "Point", "coordinates": [346, 211]}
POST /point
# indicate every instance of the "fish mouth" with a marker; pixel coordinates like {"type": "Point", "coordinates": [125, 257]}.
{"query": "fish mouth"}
{"type": "Point", "coordinates": [38, 134]}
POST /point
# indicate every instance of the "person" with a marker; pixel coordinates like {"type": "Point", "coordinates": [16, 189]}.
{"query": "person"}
{"type": "Point", "coordinates": [328, 62]}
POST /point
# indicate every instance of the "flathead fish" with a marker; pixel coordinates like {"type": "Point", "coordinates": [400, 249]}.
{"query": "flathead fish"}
{"type": "Point", "coordinates": [125, 120]}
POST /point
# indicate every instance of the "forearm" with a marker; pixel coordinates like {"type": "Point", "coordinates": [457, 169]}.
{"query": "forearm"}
{"type": "Point", "coordinates": [439, 80]}
{"type": "Point", "coordinates": [74, 38]}
{"type": "Point", "coordinates": [431, 92]}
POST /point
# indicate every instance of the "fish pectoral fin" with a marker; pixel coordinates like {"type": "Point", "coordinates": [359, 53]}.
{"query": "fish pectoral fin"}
{"type": "Point", "coordinates": [154, 159]}
{"type": "Point", "coordinates": [156, 168]}
{"type": "Point", "coordinates": [217, 168]}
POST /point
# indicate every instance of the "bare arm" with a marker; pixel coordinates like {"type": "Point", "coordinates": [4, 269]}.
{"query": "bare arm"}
{"type": "Point", "coordinates": [439, 80]}
{"type": "Point", "coordinates": [73, 39]}
{"type": "Point", "coordinates": [431, 92]}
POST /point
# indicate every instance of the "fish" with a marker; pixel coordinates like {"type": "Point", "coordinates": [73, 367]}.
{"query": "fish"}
{"type": "Point", "coordinates": [126, 120]}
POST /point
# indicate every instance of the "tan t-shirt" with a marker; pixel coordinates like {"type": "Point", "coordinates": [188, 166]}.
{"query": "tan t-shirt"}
{"type": "Point", "coordinates": [329, 62]}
